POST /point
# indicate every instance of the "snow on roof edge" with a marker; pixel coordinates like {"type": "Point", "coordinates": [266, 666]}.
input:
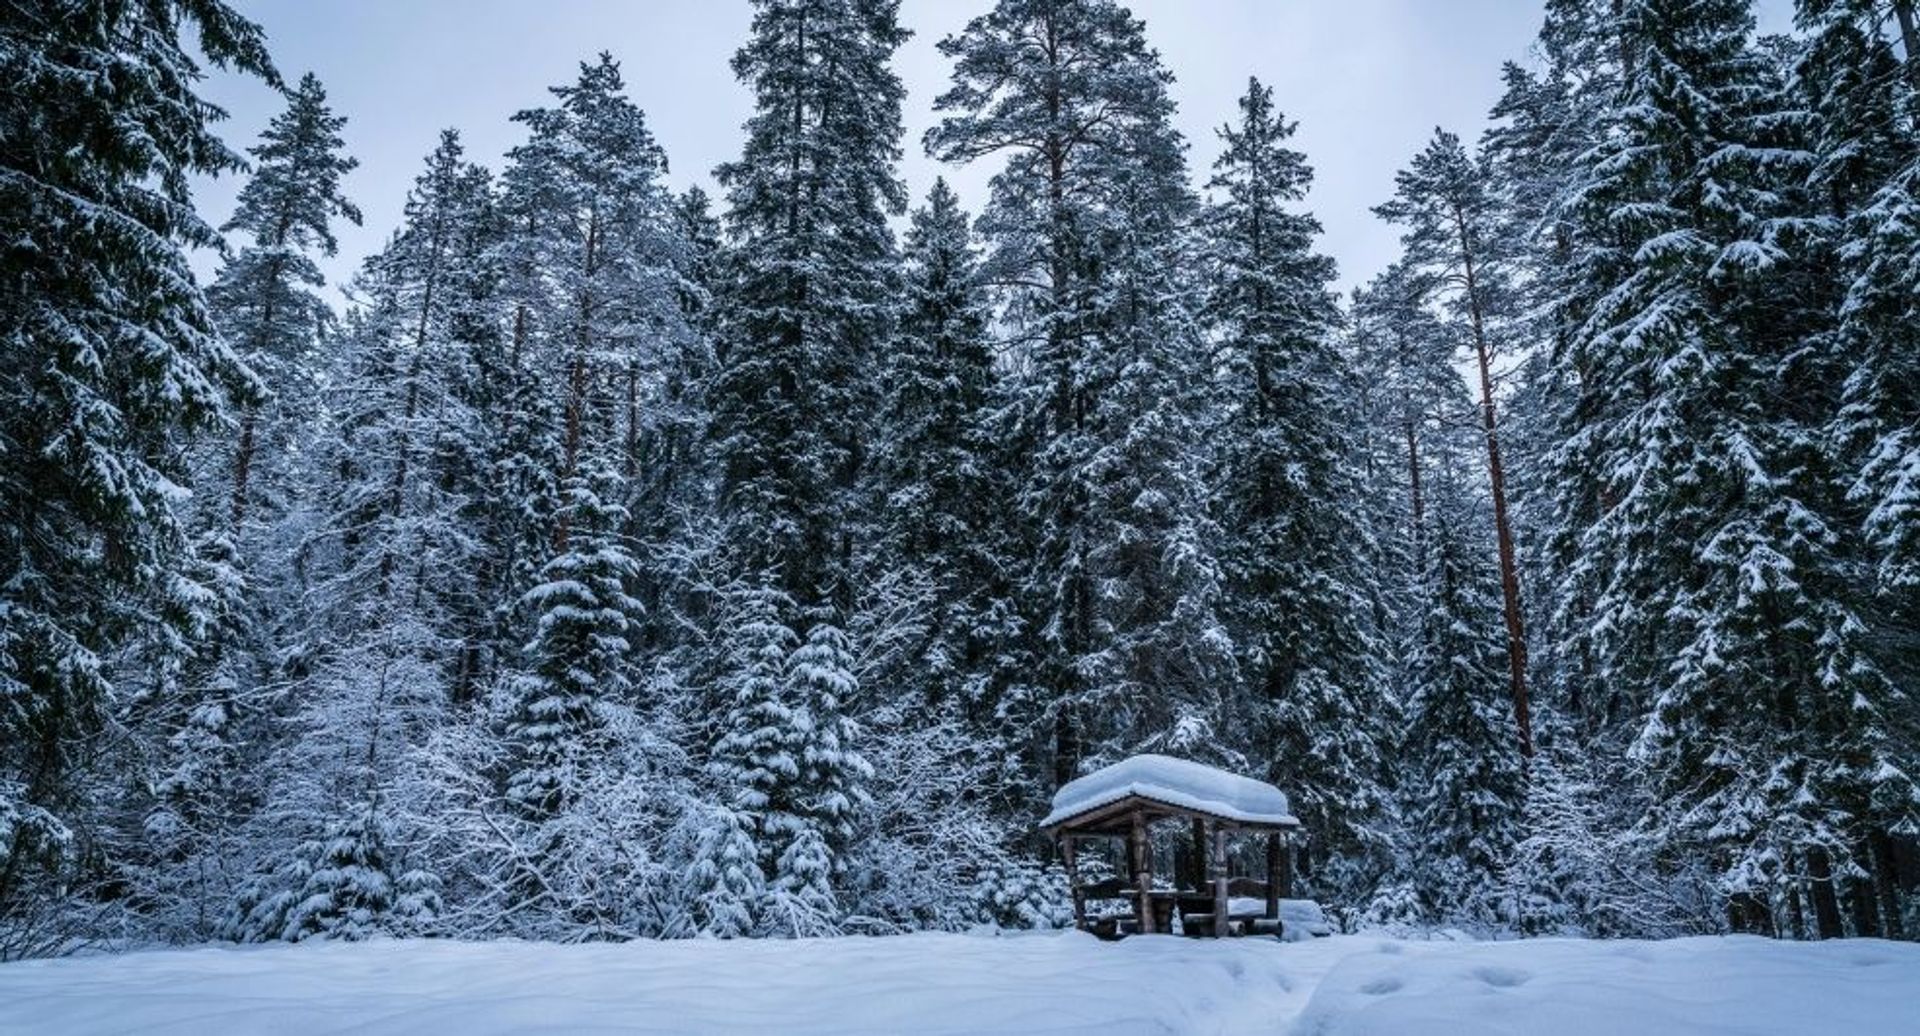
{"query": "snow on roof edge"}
{"type": "Point", "coordinates": [1180, 783]}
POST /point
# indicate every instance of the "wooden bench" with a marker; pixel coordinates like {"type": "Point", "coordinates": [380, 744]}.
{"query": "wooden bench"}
{"type": "Point", "coordinates": [1114, 925]}
{"type": "Point", "coordinates": [1197, 911]}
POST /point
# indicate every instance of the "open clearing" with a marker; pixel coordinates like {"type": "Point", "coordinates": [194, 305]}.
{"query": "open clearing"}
{"type": "Point", "coordinates": [932, 983]}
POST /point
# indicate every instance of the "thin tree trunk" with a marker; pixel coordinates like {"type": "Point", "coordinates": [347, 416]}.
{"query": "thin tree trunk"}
{"type": "Point", "coordinates": [632, 464]}
{"type": "Point", "coordinates": [1796, 913]}
{"type": "Point", "coordinates": [577, 374]}
{"type": "Point", "coordinates": [1861, 899]}
{"type": "Point", "coordinates": [249, 416]}
{"type": "Point", "coordinates": [1503, 527]}
{"type": "Point", "coordinates": [1826, 903]}
{"type": "Point", "coordinates": [1886, 883]}
{"type": "Point", "coordinates": [1413, 478]}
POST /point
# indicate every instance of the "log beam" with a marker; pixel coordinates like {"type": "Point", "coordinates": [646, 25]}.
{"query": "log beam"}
{"type": "Point", "coordinates": [1142, 869]}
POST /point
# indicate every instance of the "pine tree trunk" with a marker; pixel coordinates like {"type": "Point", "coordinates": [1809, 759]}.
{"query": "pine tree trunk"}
{"type": "Point", "coordinates": [249, 415]}
{"type": "Point", "coordinates": [1066, 733]}
{"type": "Point", "coordinates": [1413, 478]}
{"type": "Point", "coordinates": [1861, 900]}
{"type": "Point", "coordinates": [1826, 903]}
{"type": "Point", "coordinates": [1886, 882]}
{"type": "Point", "coordinates": [1503, 527]}
{"type": "Point", "coordinates": [632, 464]}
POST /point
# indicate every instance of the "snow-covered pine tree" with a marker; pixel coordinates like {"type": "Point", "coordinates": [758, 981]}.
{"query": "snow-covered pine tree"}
{"type": "Point", "coordinates": [112, 361]}
{"type": "Point", "coordinates": [1454, 236]}
{"type": "Point", "coordinates": [1546, 124]}
{"type": "Point", "coordinates": [1464, 786]}
{"type": "Point", "coordinates": [939, 481]}
{"type": "Point", "coordinates": [264, 300]}
{"type": "Point", "coordinates": [672, 504]}
{"type": "Point", "coordinates": [1160, 666]}
{"type": "Point", "coordinates": [1724, 588]}
{"type": "Point", "coordinates": [342, 886]}
{"type": "Point", "coordinates": [571, 777]}
{"type": "Point", "coordinates": [811, 288]}
{"type": "Point", "coordinates": [384, 564]}
{"type": "Point", "coordinates": [588, 211]}
{"type": "Point", "coordinates": [1864, 105]}
{"type": "Point", "coordinates": [786, 753]}
{"type": "Point", "coordinates": [592, 263]}
{"type": "Point", "coordinates": [724, 886]}
{"type": "Point", "coordinates": [1087, 227]}
{"type": "Point", "coordinates": [1299, 558]}
{"type": "Point", "coordinates": [579, 654]}
{"type": "Point", "coordinates": [203, 719]}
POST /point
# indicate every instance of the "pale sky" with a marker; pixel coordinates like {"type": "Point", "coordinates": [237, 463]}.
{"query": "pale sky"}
{"type": "Point", "coordinates": [1367, 80]}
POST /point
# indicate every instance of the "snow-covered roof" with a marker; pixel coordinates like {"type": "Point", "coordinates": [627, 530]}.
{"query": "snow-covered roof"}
{"type": "Point", "coordinates": [1175, 782]}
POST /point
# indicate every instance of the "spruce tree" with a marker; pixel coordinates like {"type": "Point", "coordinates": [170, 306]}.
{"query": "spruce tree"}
{"type": "Point", "coordinates": [587, 210]}
{"type": "Point", "coordinates": [265, 304]}
{"type": "Point", "coordinates": [264, 300]}
{"type": "Point", "coordinates": [1463, 794]}
{"type": "Point", "coordinates": [1453, 234]}
{"type": "Point", "coordinates": [1722, 583]}
{"type": "Point", "coordinates": [939, 482]}
{"type": "Point", "coordinates": [1866, 172]}
{"type": "Point", "coordinates": [112, 360]}
{"type": "Point", "coordinates": [811, 283]}
{"type": "Point", "coordinates": [1288, 497]}
{"type": "Point", "coordinates": [1088, 226]}
{"type": "Point", "coordinates": [787, 754]}
{"type": "Point", "coordinates": [382, 568]}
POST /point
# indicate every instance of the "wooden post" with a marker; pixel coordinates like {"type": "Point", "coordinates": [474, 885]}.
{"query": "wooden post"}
{"type": "Point", "coordinates": [1274, 854]}
{"type": "Point", "coordinates": [1197, 861]}
{"type": "Point", "coordinates": [1286, 866]}
{"type": "Point", "coordinates": [1219, 869]}
{"type": "Point", "coordinates": [1073, 882]}
{"type": "Point", "coordinates": [1143, 871]}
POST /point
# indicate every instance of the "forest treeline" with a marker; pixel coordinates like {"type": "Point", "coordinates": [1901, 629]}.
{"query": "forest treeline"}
{"type": "Point", "coordinates": [624, 562]}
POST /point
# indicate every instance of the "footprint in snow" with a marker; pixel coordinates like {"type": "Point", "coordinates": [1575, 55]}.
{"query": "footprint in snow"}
{"type": "Point", "coordinates": [1501, 978]}
{"type": "Point", "coordinates": [1382, 986]}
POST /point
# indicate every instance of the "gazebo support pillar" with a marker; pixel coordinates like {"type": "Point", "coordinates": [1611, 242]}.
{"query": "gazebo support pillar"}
{"type": "Point", "coordinates": [1142, 869]}
{"type": "Point", "coordinates": [1275, 852]}
{"type": "Point", "coordinates": [1286, 866]}
{"type": "Point", "coordinates": [1196, 865]}
{"type": "Point", "coordinates": [1073, 882]}
{"type": "Point", "coordinates": [1218, 871]}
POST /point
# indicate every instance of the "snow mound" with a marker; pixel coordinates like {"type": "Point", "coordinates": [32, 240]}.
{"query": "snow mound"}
{"type": "Point", "coordinates": [1573, 987]}
{"type": "Point", "coordinates": [1176, 782]}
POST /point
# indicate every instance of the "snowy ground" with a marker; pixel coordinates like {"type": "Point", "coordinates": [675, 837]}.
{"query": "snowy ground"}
{"type": "Point", "coordinates": [1054, 983]}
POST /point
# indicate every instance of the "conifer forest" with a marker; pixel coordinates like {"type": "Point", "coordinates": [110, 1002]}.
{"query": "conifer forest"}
{"type": "Point", "coordinates": [608, 561]}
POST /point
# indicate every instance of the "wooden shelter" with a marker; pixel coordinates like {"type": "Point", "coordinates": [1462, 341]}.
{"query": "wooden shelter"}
{"type": "Point", "coordinates": [1126, 800]}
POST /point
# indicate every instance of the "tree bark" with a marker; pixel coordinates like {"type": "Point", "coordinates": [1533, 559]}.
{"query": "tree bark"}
{"type": "Point", "coordinates": [1069, 859]}
{"type": "Point", "coordinates": [1142, 870]}
{"type": "Point", "coordinates": [1826, 904]}
{"type": "Point", "coordinates": [1221, 903]}
{"type": "Point", "coordinates": [1275, 854]}
{"type": "Point", "coordinates": [249, 415]}
{"type": "Point", "coordinates": [1886, 883]}
{"type": "Point", "coordinates": [1909, 39]}
{"type": "Point", "coordinates": [1503, 526]}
